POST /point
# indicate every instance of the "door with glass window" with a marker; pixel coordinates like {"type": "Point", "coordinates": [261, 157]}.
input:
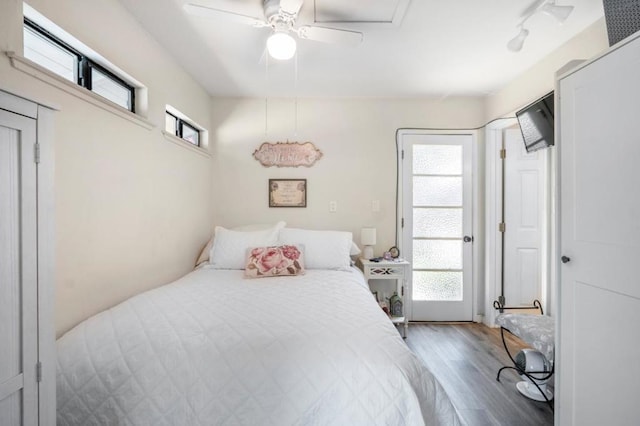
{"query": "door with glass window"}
{"type": "Point", "coordinates": [436, 223]}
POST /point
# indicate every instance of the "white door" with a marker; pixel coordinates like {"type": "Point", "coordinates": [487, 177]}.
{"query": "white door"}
{"type": "Point", "coordinates": [599, 311]}
{"type": "Point", "coordinates": [524, 209]}
{"type": "Point", "coordinates": [437, 217]}
{"type": "Point", "coordinates": [18, 271]}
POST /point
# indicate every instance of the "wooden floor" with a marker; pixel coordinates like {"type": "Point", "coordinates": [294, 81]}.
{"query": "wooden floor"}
{"type": "Point", "coordinates": [466, 358]}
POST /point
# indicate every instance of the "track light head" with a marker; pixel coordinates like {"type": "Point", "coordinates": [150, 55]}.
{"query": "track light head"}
{"type": "Point", "coordinates": [516, 43]}
{"type": "Point", "coordinates": [548, 7]}
{"type": "Point", "coordinates": [561, 13]}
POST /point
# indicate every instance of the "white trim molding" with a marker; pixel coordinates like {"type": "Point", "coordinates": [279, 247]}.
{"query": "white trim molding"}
{"type": "Point", "coordinates": [31, 68]}
{"type": "Point", "coordinates": [186, 145]}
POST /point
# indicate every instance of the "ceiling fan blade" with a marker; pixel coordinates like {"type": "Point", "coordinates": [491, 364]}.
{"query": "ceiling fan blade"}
{"type": "Point", "coordinates": [209, 12]}
{"type": "Point", "coordinates": [291, 6]}
{"type": "Point", "coordinates": [330, 35]}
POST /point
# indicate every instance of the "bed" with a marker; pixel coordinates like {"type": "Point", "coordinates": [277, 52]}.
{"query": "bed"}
{"type": "Point", "coordinates": [217, 348]}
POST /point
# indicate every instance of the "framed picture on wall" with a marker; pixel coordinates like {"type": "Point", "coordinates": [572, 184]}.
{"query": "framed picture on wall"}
{"type": "Point", "coordinates": [287, 193]}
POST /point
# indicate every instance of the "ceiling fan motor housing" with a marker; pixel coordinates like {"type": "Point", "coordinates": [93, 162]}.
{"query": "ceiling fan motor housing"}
{"type": "Point", "coordinates": [277, 17]}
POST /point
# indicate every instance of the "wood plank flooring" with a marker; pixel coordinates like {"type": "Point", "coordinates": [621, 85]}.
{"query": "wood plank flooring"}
{"type": "Point", "coordinates": [466, 358]}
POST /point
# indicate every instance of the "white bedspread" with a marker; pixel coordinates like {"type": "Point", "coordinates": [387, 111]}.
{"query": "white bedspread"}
{"type": "Point", "coordinates": [215, 349]}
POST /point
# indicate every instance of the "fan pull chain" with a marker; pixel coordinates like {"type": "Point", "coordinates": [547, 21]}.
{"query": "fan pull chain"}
{"type": "Point", "coordinates": [295, 87]}
{"type": "Point", "coordinates": [266, 109]}
{"type": "Point", "coordinates": [295, 130]}
{"type": "Point", "coordinates": [266, 98]}
{"type": "Point", "coordinates": [295, 74]}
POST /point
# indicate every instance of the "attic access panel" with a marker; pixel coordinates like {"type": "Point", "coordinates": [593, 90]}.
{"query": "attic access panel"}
{"type": "Point", "coordinates": [380, 12]}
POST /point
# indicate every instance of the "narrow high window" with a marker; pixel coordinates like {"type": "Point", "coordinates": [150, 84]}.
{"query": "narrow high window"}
{"type": "Point", "coordinates": [180, 126]}
{"type": "Point", "coordinates": [59, 57]}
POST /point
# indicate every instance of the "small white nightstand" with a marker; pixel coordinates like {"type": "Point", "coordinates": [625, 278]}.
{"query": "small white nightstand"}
{"type": "Point", "coordinates": [390, 270]}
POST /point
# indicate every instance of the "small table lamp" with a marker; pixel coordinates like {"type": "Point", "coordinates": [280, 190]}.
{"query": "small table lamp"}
{"type": "Point", "coordinates": [368, 240]}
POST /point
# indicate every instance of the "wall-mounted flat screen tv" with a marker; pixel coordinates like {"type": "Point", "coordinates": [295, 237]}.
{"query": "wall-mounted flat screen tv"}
{"type": "Point", "coordinates": [536, 123]}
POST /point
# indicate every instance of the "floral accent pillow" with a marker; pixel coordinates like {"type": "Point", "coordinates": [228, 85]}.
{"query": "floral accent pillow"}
{"type": "Point", "coordinates": [274, 261]}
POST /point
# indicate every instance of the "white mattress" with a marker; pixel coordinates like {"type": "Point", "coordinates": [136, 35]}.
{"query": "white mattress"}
{"type": "Point", "coordinates": [215, 349]}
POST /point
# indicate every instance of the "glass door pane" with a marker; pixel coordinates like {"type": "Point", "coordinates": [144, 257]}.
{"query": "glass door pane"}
{"type": "Point", "coordinates": [437, 224]}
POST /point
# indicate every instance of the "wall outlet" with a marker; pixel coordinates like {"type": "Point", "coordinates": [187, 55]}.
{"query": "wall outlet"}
{"type": "Point", "coordinates": [333, 206]}
{"type": "Point", "coordinates": [375, 206]}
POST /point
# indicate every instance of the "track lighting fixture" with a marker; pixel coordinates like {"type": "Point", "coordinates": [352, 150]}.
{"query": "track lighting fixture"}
{"type": "Point", "coordinates": [561, 13]}
{"type": "Point", "coordinates": [515, 44]}
{"type": "Point", "coordinates": [548, 7]}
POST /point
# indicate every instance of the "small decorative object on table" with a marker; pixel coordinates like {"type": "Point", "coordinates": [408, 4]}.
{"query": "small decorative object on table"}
{"type": "Point", "coordinates": [395, 305]}
{"type": "Point", "coordinates": [385, 307]}
{"type": "Point", "coordinates": [394, 252]}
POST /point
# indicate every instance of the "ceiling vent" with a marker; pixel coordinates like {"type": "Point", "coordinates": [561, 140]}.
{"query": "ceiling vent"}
{"type": "Point", "coordinates": [377, 12]}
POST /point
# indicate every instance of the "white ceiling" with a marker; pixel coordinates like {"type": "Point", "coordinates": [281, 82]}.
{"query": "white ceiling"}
{"type": "Point", "coordinates": [435, 48]}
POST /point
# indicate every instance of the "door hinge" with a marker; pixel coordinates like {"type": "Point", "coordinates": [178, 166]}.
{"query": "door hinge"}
{"type": "Point", "coordinates": [503, 153]}
{"type": "Point", "coordinates": [402, 155]}
{"type": "Point", "coordinates": [38, 371]}
{"type": "Point", "coordinates": [402, 222]}
{"type": "Point", "coordinates": [502, 227]}
{"type": "Point", "coordinates": [36, 153]}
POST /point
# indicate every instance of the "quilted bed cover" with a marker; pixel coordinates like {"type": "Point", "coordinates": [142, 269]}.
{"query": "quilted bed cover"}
{"type": "Point", "coordinates": [213, 348]}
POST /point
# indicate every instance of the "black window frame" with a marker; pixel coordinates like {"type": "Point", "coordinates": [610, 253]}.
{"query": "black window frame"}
{"type": "Point", "coordinates": [179, 129]}
{"type": "Point", "coordinates": [85, 65]}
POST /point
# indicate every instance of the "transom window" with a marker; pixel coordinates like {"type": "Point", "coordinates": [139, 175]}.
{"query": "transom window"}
{"type": "Point", "coordinates": [181, 128]}
{"type": "Point", "coordinates": [47, 50]}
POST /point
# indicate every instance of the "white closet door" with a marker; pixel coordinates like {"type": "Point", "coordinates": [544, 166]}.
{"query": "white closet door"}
{"type": "Point", "coordinates": [18, 271]}
{"type": "Point", "coordinates": [599, 315]}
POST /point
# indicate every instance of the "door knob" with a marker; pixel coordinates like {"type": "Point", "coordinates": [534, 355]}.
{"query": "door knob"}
{"type": "Point", "coordinates": [467, 239]}
{"type": "Point", "coordinates": [565, 259]}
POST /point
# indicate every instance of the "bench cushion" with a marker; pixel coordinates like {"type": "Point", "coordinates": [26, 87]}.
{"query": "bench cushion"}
{"type": "Point", "coordinates": [537, 330]}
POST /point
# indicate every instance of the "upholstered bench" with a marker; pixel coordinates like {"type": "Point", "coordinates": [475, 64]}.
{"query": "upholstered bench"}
{"type": "Point", "coordinates": [537, 330]}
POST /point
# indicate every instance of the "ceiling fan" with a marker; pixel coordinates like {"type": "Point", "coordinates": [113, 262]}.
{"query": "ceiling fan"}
{"type": "Point", "coordinates": [280, 16]}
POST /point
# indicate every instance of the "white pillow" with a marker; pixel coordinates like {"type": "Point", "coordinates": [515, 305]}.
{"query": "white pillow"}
{"type": "Point", "coordinates": [229, 246]}
{"type": "Point", "coordinates": [322, 249]}
{"type": "Point", "coordinates": [255, 227]}
{"type": "Point", "coordinates": [355, 250]}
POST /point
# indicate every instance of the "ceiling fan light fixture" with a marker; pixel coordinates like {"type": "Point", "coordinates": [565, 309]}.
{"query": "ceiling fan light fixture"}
{"type": "Point", "coordinates": [561, 13]}
{"type": "Point", "coordinates": [516, 43]}
{"type": "Point", "coordinates": [281, 46]}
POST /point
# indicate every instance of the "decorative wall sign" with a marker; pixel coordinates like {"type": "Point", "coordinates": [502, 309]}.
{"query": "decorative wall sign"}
{"type": "Point", "coordinates": [287, 154]}
{"type": "Point", "coordinates": [287, 193]}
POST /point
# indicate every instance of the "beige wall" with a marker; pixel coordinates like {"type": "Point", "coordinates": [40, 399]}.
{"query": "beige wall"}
{"type": "Point", "coordinates": [132, 208]}
{"type": "Point", "coordinates": [357, 138]}
{"type": "Point", "coordinates": [540, 79]}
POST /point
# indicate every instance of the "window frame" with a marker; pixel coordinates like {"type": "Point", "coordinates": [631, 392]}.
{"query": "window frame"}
{"type": "Point", "coordinates": [84, 65]}
{"type": "Point", "coordinates": [179, 129]}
